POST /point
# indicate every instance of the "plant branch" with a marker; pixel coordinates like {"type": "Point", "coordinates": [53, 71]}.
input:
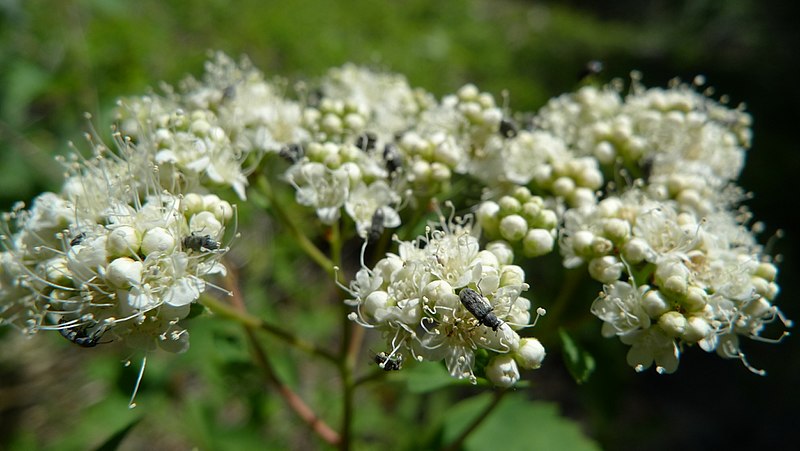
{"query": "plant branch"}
{"type": "Point", "coordinates": [291, 225]}
{"type": "Point", "coordinates": [246, 319]}
{"type": "Point", "coordinates": [455, 445]}
{"type": "Point", "coordinates": [250, 323]}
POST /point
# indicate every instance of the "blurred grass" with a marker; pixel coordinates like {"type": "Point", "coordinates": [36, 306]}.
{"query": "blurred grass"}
{"type": "Point", "coordinates": [61, 59]}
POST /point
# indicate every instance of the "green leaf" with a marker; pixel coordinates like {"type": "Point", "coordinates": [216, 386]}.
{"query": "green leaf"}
{"type": "Point", "coordinates": [115, 440]}
{"type": "Point", "coordinates": [426, 377]}
{"type": "Point", "coordinates": [517, 423]}
{"type": "Point", "coordinates": [579, 362]}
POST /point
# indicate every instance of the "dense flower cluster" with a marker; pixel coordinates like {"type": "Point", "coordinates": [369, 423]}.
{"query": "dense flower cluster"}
{"type": "Point", "coordinates": [679, 264]}
{"type": "Point", "coordinates": [114, 256]}
{"type": "Point", "coordinates": [638, 186]}
{"type": "Point", "coordinates": [420, 300]}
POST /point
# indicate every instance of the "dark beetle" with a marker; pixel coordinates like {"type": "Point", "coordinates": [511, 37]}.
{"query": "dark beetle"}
{"type": "Point", "coordinates": [392, 158]}
{"type": "Point", "coordinates": [376, 228]}
{"type": "Point", "coordinates": [199, 243]}
{"type": "Point", "coordinates": [366, 141]}
{"type": "Point", "coordinates": [389, 364]}
{"type": "Point", "coordinates": [508, 128]}
{"type": "Point", "coordinates": [81, 336]}
{"type": "Point", "coordinates": [78, 239]}
{"type": "Point", "coordinates": [480, 308]}
{"type": "Point", "coordinates": [292, 153]}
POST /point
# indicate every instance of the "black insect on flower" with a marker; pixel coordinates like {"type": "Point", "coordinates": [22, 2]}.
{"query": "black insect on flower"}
{"type": "Point", "coordinates": [78, 239]}
{"type": "Point", "coordinates": [508, 128]}
{"type": "Point", "coordinates": [394, 363]}
{"type": "Point", "coordinates": [292, 153]}
{"type": "Point", "coordinates": [376, 228]}
{"type": "Point", "coordinates": [199, 243]}
{"type": "Point", "coordinates": [480, 308]}
{"type": "Point", "coordinates": [83, 336]}
{"type": "Point", "coordinates": [392, 158]}
{"type": "Point", "coordinates": [366, 141]}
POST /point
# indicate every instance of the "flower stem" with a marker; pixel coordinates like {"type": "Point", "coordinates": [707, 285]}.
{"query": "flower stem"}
{"type": "Point", "coordinates": [295, 402]}
{"type": "Point", "coordinates": [246, 319]}
{"type": "Point", "coordinates": [291, 225]}
{"type": "Point", "coordinates": [456, 444]}
{"type": "Point", "coordinates": [250, 323]}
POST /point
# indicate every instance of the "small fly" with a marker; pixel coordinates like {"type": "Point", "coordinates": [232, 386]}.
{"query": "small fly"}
{"type": "Point", "coordinates": [82, 337]}
{"type": "Point", "coordinates": [387, 363]}
{"type": "Point", "coordinates": [200, 243]}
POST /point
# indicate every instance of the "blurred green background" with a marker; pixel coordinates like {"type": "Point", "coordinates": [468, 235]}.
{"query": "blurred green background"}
{"type": "Point", "coordinates": [60, 59]}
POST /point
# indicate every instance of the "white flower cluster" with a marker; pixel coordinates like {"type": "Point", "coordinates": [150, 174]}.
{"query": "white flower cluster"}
{"type": "Point", "coordinates": [520, 217]}
{"type": "Point", "coordinates": [690, 279]}
{"type": "Point", "coordinates": [443, 298]}
{"type": "Point", "coordinates": [114, 256]}
{"type": "Point", "coordinates": [680, 267]}
{"type": "Point", "coordinates": [687, 145]}
{"type": "Point", "coordinates": [126, 246]}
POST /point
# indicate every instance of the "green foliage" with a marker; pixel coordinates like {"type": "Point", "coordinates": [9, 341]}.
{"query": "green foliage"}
{"type": "Point", "coordinates": [517, 423]}
{"type": "Point", "coordinates": [579, 361]}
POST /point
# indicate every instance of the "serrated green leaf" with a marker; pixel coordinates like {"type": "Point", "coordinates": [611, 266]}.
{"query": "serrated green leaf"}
{"type": "Point", "coordinates": [580, 362]}
{"type": "Point", "coordinates": [520, 424]}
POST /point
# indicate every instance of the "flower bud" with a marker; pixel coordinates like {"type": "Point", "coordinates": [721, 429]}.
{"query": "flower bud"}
{"type": "Point", "coordinates": [767, 271]}
{"type": "Point", "coordinates": [191, 203]}
{"type": "Point", "coordinates": [509, 205]}
{"type": "Point", "coordinates": [617, 230]}
{"type": "Point", "coordinates": [605, 269]}
{"type": "Point", "coordinates": [502, 371]}
{"type": "Point", "coordinates": [158, 240]}
{"type": "Point", "coordinates": [537, 242]}
{"type": "Point", "coordinates": [124, 272]}
{"type": "Point", "coordinates": [502, 250]}
{"type": "Point", "coordinates": [205, 223]}
{"type": "Point", "coordinates": [530, 354]}
{"type": "Point", "coordinates": [123, 241]}
{"type": "Point", "coordinates": [636, 251]}
{"type": "Point", "coordinates": [511, 275]}
{"type": "Point", "coordinates": [697, 329]}
{"type": "Point", "coordinates": [655, 304]}
{"type": "Point", "coordinates": [563, 186]}
{"type": "Point", "coordinates": [695, 299]}
{"type": "Point", "coordinates": [513, 227]}
{"type": "Point", "coordinates": [377, 300]}
{"type": "Point", "coordinates": [440, 294]}
{"type": "Point", "coordinates": [488, 217]}
{"type": "Point", "coordinates": [673, 323]}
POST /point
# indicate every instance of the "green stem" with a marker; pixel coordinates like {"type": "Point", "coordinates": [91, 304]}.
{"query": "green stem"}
{"type": "Point", "coordinates": [317, 255]}
{"type": "Point", "coordinates": [455, 445]}
{"type": "Point", "coordinates": [226, 311]}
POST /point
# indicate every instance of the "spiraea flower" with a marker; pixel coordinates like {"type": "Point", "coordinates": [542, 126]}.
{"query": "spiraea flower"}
{"type": "Point", "coordinates": [688, 146]}
{"type": "Point", "coordinates": [115, 256]}
{"type": "Point", "coordinates": [673, 279]}
{"type": "Point", "coordinates": [443, 298]}
{"type": "Point", "coordinates": [520, 218]}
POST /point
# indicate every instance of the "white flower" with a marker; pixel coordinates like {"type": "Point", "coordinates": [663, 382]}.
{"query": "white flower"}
{"type": "Point", "coordinates": [651, 345]}
{"type": "Point", "coordinates": [364, 201]}
{"type": "Point", "coordinates": [317, 186]}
